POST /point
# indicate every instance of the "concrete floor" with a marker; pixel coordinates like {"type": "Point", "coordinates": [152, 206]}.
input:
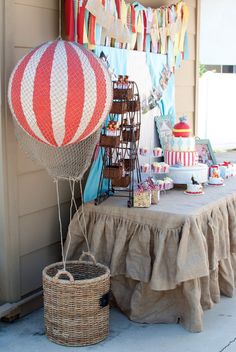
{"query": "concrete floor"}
{"type": "Point", "coordinates": [27, 334]}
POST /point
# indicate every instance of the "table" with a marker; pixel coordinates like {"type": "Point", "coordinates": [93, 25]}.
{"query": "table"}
{"type": "Point", "coordinates": [168, 262]}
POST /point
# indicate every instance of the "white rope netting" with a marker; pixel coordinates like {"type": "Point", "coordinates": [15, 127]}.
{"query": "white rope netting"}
{"type": "Point", "coordinates": [69, 162]}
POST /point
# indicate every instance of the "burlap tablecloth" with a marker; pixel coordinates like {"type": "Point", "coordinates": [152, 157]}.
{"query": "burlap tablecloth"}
{"type": "Point", "coordinates": [167, 262]}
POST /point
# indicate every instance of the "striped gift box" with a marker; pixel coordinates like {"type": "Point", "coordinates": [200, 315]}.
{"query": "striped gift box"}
{"type": "Point", "coordinates": [183, 158]}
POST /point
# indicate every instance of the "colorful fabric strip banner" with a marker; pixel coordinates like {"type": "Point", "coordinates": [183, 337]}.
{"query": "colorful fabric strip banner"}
{"type": "Point", "coordinates": [129, 26]}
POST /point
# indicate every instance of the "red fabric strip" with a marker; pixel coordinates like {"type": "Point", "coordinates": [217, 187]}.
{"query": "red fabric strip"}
{"type": "Point", "coordinates": [42, 94]}
{"type": "Point", "coordinates": [69, 19]}
{"type": "Point", "coordinates": [133, 19]}
{"type": "Point", "coordinates": [92, 24]}
{"type": "Point", "coordinates": [145, 30]}
{"type": "Point", "coordinates": [118, 8]}
{"type": "Point", "coordinates": [75, 94]}
{"type": "Point", "coordinates": [80, 23]}
{"type": "Point", "coordinates": [15, 94]}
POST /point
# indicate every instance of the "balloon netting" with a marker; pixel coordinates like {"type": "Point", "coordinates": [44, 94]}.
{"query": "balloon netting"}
{"type": "Point", "coordinates": [69, 162]}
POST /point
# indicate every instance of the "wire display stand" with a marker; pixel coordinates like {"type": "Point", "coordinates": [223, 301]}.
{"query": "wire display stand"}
{"type": "Point", "coordinates": [119, 143]}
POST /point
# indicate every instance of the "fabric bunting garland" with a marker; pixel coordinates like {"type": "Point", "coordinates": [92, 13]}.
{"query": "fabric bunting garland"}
{"type": "Point", "coordinates": [130, 26]}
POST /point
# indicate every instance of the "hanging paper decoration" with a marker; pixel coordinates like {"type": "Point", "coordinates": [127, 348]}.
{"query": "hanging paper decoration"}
{"type": "Point", "coordinates": [60, 93]}
{"type": "Point", "coordinates": [153, 99]}
{"type": "Point", "coordinates": [131, 26]}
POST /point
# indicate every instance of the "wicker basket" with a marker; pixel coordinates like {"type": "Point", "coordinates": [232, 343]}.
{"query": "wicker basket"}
{"type": "Point", "coordinates": [121, 182]}
{"type": "Point", "coordinates": [133, 105]}
{"type": "Point", "coordinates": [129, 164]}
{"type": "Point", "coordinates": [131, 136]}
{"type": "Point", "coordinates": [113, 171]}
{"type": "Point", "coordinates": [125, 94]}
{"type": "Point", "coordinates": [76, 302]}
{"type": "Point", "coordinates": [109, 141]}
{"type": "Point", "coordinates": [118, 107]}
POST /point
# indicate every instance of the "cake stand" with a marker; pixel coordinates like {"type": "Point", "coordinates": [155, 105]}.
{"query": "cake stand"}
{"type": "Point", "coordinates": [182, 175]}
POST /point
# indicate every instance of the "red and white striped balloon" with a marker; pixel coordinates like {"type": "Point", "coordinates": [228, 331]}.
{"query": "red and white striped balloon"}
{"type": "Point", "coordinates": [60, 93]}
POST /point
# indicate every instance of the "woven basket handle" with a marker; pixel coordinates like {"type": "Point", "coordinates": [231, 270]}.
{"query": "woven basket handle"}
{"type": "Point", "coordinates": [88, 254]}
{"type": "Point", "coordinates": [63, 272]}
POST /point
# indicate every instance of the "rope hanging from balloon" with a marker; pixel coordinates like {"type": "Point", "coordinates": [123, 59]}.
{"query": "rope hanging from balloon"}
{"type": "Point", "coordinates": [83, 227]}
{"type": "Point", "coordinates": [59, 95]}
{"type": "Point", "coordinates": [59, 20]}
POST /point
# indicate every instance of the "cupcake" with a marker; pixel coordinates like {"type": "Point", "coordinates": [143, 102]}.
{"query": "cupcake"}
{"type": "Point", "coordinates": [113, 133]}
{"type": "Point", "coordinates": [157, 152]}
{"type": "Point", "coordinates": [156, 167]}
{"type": "Point", "coordinates": [113, 129]}
{"type": "Point", "coordinates": [161, 185]}
{"type": "Point", "coordinates": [165, 168]}
{"type": "Point", "coordinates": [168, 183]}
{"type": "Point", "coordinates": [145, 168]}
{"type": "Point", "coordinates": [143, 151]}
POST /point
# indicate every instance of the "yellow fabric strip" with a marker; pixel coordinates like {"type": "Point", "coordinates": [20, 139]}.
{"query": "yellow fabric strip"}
{"type": "Point", "coordinates": [124, 10]}
{"type": "Point", "coordinates": [182, 130]}
{"type": "Point", "coordinates": [140, 23]}
{"type": "Point", "coordinates": [183, 27]}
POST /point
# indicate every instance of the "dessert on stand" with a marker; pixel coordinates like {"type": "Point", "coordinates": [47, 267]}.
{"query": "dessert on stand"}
{"type": "Point", "coordinates": [194, 188]}
{"type": "Point", "coordinates": [180, 153]}
{"type": "Point", "coordinates": [157, 180]}
{"type": "Point", "coordinates": [181, 175]}
{"type": "Point", "coordinates": [215, 179]}
{"type": "Point", "coordinates": [156, 170]}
